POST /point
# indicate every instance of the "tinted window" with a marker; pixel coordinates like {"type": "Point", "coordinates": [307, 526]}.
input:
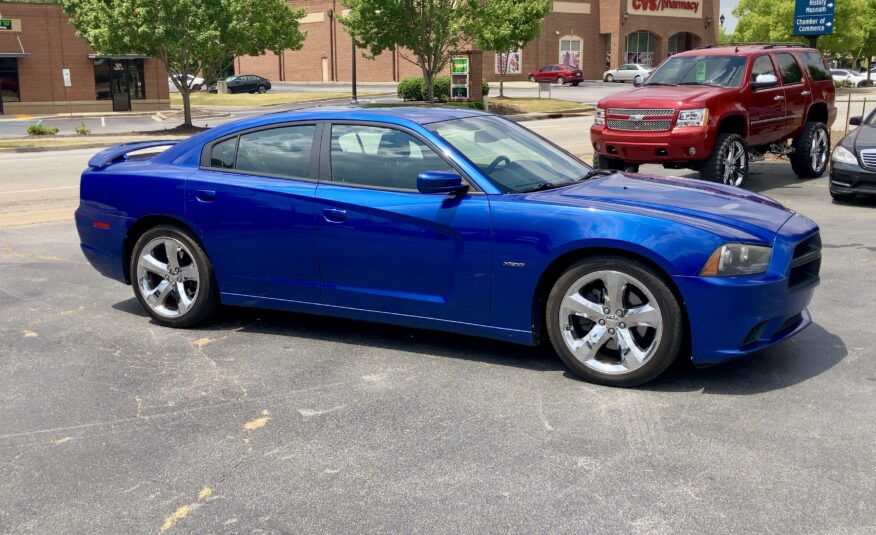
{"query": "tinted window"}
{"type": "Point", "coordinates": [791, 73]}
{"type": "Point", "coordinates": [815, 64]}
{"type": "Point", "coordinates": [279, 151]}
{"type": "Point", "coordinates": [380, 157]}
{"type": "Point", "coordinates": [222, 155]}
{"type": "Point", "coordinates": [762, 65]}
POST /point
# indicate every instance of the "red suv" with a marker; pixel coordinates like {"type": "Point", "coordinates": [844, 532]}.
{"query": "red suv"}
{"type": "Point", "coordinates": [560, 74]}
{"type": "Point", "coordinates": [717, 108]}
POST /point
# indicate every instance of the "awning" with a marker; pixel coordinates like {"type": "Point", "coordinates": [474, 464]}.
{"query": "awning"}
{"type": "Point", "coordinates": [12, 49]}
{"type": "Point", "coordinates": [118, 56]}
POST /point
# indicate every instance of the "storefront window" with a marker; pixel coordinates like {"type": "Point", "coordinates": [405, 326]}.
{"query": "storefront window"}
{"type": "Point", "coordinates": [570, 51]}
{"type": "Point", "coordinates": [641, 47]}
{"type": "Point", "coordinates": [9, 80]}
{"type": "Point", "coordinates": [119, 76]}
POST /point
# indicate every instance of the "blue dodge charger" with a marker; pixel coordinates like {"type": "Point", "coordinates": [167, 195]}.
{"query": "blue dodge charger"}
{"type": "Point", "coordinates": [454, 220]}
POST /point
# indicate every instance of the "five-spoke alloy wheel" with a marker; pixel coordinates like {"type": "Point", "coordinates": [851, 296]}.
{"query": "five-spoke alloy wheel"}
{"type": "Point", "coordinates": [614, 321]}
{"type": "Point", "coordinates": [172, 277]}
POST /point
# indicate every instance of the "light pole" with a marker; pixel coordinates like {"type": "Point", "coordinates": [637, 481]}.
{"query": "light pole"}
{"type": "Point", "coordinates": [354, 100]}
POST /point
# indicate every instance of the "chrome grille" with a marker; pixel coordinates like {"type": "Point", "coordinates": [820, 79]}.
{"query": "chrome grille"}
{"type": "Point", "coordinates": [868, 158]}
{"type": "Point", "coordinates": [651, 112]}
{"type": "Point", "coordinates": [640, 126]}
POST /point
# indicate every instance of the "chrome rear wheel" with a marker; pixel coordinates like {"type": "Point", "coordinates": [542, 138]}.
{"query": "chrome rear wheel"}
{"type": "Point", "coordinates": [168, 277]}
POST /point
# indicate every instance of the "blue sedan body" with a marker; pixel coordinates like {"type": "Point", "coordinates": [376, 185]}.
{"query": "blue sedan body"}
{"type": "Point", "coordinates": [480, 263]}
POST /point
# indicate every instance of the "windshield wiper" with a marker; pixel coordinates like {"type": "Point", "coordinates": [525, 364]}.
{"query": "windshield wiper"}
{"type": "Point", "coordinates": [657, 83]}
{"type": "Point", "coordinates": [543, 186]}
{"type": "Point", "coordinates": [595, 173]}
{"type": "Point", "coordinates": [700, 83]}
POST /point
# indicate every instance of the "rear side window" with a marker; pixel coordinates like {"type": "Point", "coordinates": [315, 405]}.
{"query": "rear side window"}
{"type": "Point", "coordinates": [815, 64]}
{"type": "Point", "coordinates": [791, 73]}
{"type": "Point", "coordinates": [762, 65]}
{"type": "Point", "coordinates": [222, 154]}
{"type": "Point", "coordinates": [281, 152]}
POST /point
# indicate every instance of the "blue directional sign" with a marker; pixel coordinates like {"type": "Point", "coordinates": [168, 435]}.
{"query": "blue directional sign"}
{"type": "Point", "coordinates": [813, 17]}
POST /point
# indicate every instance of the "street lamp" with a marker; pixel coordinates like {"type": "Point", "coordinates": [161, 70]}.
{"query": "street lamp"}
{"type": "Point", "coordinates": [626, 16]}
{"type": "Point", "coordinates": [708, 21]}
{"type": "Point", "coordinates": [721, 20]}
{"type": "Point", "coordinates": [354, 100]}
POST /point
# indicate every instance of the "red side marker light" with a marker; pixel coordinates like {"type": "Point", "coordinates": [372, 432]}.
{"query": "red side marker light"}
{"type": "Point", "coordinates": [102, 225]}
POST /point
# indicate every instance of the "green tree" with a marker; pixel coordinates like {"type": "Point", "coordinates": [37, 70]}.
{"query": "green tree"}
{"type": "Point", "coordinates": [429, 29]}
{"type": "Point", "coordinates": [503, 26]}
{"type": "Point", "coordinates": [725, 38]}
{"type": "Point", "coordinates": [189, 36]}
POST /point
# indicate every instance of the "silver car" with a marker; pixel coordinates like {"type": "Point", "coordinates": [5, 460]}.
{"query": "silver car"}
{"type": "Point", "coordinates": [629, 72]}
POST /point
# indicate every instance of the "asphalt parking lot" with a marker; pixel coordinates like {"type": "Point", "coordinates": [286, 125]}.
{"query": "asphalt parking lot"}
{"type": "Point", "coordinates": [282, 423]}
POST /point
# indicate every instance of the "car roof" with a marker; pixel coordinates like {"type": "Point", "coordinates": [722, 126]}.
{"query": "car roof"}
{"type": "Point", "coordinates": [741, 50]}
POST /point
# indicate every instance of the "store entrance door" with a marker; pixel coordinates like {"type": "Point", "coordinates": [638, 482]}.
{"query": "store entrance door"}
{"type": "Point", "coordinates": [120, 88]}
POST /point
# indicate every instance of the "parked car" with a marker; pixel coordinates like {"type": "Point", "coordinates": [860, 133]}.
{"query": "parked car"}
{"type": "Point", "coordinates": [449, 219]}
{"type": "Point", "coordinates": [630, 72]}
{"type": "Point", "coordinates": [715, 109]}
{"type": "Point", "coordinates": [857, 79]}
{"type": "Point", "coordinates": [560, 74]}
{"type": "Point", "coordinates": [245, 83]}
{"type": "Point", "coordinates": [194, 82]}
{"type": "Point", "coordinates": [853, 162]}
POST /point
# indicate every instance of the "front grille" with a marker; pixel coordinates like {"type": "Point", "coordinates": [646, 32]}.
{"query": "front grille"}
{"type": "Point", "coordinates": [639, 126]}
{"type": "Point", "coordinates": [868, 158]}
{"type": "Point", "coordinates": [640, 119]}
{"type": "Point", "coordinates": [806, 263]}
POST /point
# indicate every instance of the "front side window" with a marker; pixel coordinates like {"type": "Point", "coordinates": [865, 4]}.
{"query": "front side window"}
{"type": "Point", "coordinates": [9, 80]}
{"type": "Point", "coordinates": [791, 73]}
{"type": "Point", "coordinates": [762, 65]}
{"type": "Point", "coordinates": [718, 71]}
{"type": "Point", "coordinates": [380, 157]}
{"type": "Point", "coordinates": [512, 157]}
{"type": "Point", "coordinates": [815, 64]}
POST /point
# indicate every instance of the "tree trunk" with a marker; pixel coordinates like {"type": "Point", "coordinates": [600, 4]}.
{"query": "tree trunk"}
{"type": "Point", "coordinates": [187, 105]}
{"type": "Point", "coordinates": [430, 86]}
{"type": "Point", "coordinates": [869, 66]}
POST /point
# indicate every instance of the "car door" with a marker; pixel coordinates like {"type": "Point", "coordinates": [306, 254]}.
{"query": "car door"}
{"type": "Point", "coordinates": [626, 73]}
{"type": "Point", "coordinates": [386, 247]}
{"type": "Point", "coordinates": [544, 74]}
{"type": "Point", "coordinates": [766, 106]}
{"type": "Point", "coordinates": [253, 201]}
{"type": "Point", "coordinates": [797, 92]}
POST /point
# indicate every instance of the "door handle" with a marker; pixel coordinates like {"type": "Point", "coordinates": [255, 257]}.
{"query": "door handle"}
{"type": "Point", "coordinates": [778, 97]}
{"type": "Point", "coordinates": [806, 93]}
{"type": "Point", "coordinates": [333, 215]}
{"type": "Point", "coordinates": [205, 195]}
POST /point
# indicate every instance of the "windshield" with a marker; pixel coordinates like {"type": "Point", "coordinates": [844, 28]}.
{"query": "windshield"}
{"type": "Point", "coordinates": [718, 71]}
{"type": "Point", "coordinates": [514, 158]}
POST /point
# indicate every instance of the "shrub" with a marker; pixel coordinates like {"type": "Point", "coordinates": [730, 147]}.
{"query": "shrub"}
{"type": "Point", "coordinates": [415, 88]}
{"type": "Point", "coordinates": [843, 83]}
{"type": "Point", "coordinates": [40, 130]}
{"type": "Point", "coordinates": [82, 130]}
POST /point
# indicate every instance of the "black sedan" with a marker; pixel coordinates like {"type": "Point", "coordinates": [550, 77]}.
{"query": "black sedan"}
{"type": "Point", "coordinates": [853, 162]}
{"type": "Point", "coordinates": [245, 83]}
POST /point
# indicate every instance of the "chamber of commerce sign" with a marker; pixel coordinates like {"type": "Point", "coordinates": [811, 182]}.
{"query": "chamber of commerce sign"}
{"type": "Point", "coordinates": [666, 8]}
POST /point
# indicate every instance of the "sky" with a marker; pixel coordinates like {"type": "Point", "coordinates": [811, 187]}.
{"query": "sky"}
{"type": "Point", "coordinates": [727, 10]}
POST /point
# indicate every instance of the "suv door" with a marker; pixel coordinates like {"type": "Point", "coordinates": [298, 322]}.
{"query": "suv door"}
{"type": "Point", "coordinates": [766, 106]}
{"type": "Point", "coordinates": [386, 247]}
{"type": "Point", "coordinates": [798, 96]}
{"type": "Point", "coordinates": [253, 200]}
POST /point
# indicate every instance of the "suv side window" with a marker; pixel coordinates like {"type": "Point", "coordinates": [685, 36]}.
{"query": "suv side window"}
{"type": "Point", "coordinates": [762, 65]}
{"type": "Point", "coordinates": [791, 73]}
{"type": "Point", "coordinates": [380, 157]}
{"type": "Point", "coordinates": [815, 64]}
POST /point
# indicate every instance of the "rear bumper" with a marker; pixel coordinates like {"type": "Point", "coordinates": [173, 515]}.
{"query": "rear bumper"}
{"type": "Point", "coordinates": [848, 179]}
{"type": "Point", "coordinates": [673, 145]}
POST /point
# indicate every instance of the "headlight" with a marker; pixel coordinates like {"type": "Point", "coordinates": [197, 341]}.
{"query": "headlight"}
{"type": "Point", "coordinates": [737, 259]}
{"type": "Point", "coordinates": [692, 117]}
{"type": "Point", "coordinates": [843, 155]}
{"type": "Point", "coordinates": [600, 116]}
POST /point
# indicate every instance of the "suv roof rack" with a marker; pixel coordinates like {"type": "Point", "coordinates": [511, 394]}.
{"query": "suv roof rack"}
{"type": "Point", "coordinates": [766, 46]}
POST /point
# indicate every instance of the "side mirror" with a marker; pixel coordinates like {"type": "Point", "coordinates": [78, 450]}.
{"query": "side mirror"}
{"type": "Point", "coordinates": [855, 121]}
{"type": "Point", "coordinates": [764, 80]}
{"type": "Point", "coordinates": [440, 182]}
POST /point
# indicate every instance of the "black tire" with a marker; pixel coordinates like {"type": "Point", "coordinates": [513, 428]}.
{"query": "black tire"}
{"type": "Point", "coordinates": [713, 169]}
{"type": "Point", "coordinates": [561, 80]}
{"type": "Point", "coordinates": [262, 90]}
{"type": "Point", "coordinates": [609, 78]}
{"type": "Point", "coordinates": [196, 87]}
{"type": "Point", "coordinates": [205, 300]}
{"type": "Point", "coordinates": [532, 78]}
{"type": "Point", "coordinates": [811, 151]}
{"type": "Point", "coordinates": [575, 84]}
{"type": "Point", "coordinates": [664, 351]}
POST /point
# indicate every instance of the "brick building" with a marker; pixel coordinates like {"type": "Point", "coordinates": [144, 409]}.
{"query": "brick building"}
{"type": "Point", "coordinates": [594, 35]}
{"type": "Point", "coordinates": [45, 68]}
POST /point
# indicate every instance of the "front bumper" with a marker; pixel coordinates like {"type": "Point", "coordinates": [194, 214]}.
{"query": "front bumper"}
{"type": "Point", "coordinates": [731, 317]}
{"type": "Point", "coordinates": [670, 146]}
{"type": "Point", "coordinates": [847, 179]}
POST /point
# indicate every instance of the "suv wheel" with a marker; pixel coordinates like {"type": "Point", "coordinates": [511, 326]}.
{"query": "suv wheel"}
{"type": "Point", "coordinates": [811, 151]}
{"type": "Point", "coordinates": [728, 164]}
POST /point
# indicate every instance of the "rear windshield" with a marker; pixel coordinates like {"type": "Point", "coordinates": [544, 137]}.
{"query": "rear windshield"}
{"type": "Point", "coordinates": [717, 71]}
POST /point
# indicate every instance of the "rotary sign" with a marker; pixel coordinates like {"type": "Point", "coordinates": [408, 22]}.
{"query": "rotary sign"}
{"type": "Point", "coordinates": [666, 8]}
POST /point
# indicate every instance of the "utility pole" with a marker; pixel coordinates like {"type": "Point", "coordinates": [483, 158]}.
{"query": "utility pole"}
{"type": "Point", "coordinates": [354, 100]}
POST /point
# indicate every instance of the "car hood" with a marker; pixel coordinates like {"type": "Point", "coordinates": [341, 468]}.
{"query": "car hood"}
{"type": "Point", "coordinates": [661, 96]}
{"type": "Point", "coordinates": [864, 137]}
{"type": "Point", "coordinates": [727, 211]}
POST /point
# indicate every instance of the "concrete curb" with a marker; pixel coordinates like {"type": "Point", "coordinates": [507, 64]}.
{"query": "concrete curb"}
{"type": "Point", "coordinates": [523, 117]}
